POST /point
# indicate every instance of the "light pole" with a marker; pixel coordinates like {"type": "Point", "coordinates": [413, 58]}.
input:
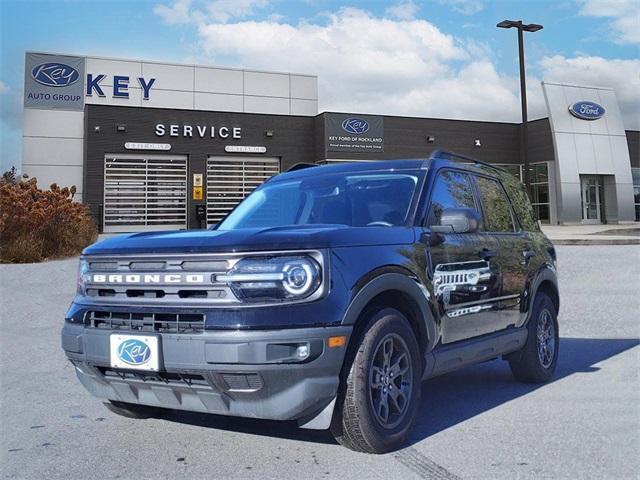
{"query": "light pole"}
{"type": "Point", "coordinates": [532, 27]}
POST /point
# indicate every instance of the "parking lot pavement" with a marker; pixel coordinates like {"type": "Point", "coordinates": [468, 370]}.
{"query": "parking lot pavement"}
{"type": "Point", "coordinates": [476, 423]}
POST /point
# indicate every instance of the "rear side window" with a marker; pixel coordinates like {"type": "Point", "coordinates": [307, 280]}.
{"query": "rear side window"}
{"type": "Point", "coordinates": [495, 206]}
{"type": "Point", "coordinates": [520, 202]}
{"type": "Point", "coordinates": [452, 190]}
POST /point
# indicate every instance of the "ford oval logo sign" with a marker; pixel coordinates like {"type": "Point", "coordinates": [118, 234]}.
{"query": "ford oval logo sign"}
{"type": "Point", "coordinates": [586, 110]}
{"type": "Point", "coordinates": [55, 74]}
{"type": "Point", "coordinates": [134, 352]}
{"type": "Point", "coordinates": [357, 126]}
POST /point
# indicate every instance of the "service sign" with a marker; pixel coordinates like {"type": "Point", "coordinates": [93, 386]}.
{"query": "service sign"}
{"type": "Point", "coordinates": [54, 82]}
{"type": "Point", "coordinates": [354, 133]}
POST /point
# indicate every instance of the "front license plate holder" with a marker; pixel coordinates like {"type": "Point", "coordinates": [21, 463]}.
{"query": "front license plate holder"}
{"type": "Point", "coordinates": [135, 352]}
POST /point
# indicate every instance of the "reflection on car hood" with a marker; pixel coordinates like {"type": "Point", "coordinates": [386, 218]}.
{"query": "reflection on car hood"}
{"type": "Point", "coordinates": [274, 238]}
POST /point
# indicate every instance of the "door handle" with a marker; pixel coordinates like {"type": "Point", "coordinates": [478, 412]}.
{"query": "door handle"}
{"type": "Point", "coordinates": [526, 256]}
{"type": "Point", "coordinates": [487, 254]}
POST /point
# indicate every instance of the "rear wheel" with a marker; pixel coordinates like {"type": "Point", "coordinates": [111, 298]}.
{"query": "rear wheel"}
{"type": "Point", "coordinates": [132, 410]}
{"type": "Point", "coordinates": [380, 395]}
{"type": "Point", "coordinates": [536, 362]}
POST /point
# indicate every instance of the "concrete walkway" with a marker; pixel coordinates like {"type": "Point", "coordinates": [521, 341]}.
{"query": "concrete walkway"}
{"type": "Point", "coordinates": [627, 234]}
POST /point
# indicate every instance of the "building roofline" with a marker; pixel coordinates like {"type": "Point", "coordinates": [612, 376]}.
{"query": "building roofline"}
{"type": "Point", "coordinates": [413, 117]}
{"type": "Point", "coordinates": [563, 84]}
{"type": "Point", "coordinates": [177, 64]}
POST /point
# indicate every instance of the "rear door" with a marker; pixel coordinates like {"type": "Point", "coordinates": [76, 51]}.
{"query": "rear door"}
{"type": "Point", "coordinates": [464, 274]}
{"type": "Point", "coordinates": [513, 252]}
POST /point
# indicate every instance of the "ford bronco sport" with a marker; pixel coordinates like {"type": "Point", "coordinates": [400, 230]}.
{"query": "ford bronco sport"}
{"type": "Point", "coordinates": [325, 297]}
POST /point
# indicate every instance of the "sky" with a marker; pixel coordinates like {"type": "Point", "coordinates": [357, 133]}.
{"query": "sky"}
{"type": "Point", "coordinates": [430, 58]}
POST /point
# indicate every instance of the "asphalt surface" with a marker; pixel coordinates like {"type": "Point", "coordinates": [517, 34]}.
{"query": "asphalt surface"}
{"type": "Point", "coordinates": [476, 423]}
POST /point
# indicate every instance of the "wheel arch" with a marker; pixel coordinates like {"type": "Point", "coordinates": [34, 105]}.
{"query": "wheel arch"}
{"type": "Point", "coordinates": [393, 289]}
{"type": "Point", "coordinates": [545, 282]}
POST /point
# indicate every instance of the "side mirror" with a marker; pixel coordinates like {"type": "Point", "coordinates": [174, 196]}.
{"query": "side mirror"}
{"type": "Point", "coordinates": [457, 220]}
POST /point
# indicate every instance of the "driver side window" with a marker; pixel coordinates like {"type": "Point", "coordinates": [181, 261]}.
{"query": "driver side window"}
{"type": "Point", "coordinates": [451, 190]}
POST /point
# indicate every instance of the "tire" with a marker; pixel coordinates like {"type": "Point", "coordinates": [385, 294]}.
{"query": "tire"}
{"type": "Point", "coordinates": [132, 410]}
{"type": "Point", "coordinates": [536, 362]}
{"type": "Point", "coordinates": [358, 421]}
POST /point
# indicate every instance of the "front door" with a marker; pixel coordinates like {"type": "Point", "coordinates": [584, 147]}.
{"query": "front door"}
{"type": "Point", "coordinates": [590, 199]}
{"type": "Point", "coordinates": [466, 278]}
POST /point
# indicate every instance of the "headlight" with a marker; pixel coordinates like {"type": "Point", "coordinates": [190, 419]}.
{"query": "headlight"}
{"type": "Point", "coordinates": [83, 268]}
{"type": "Point", "coordinates": [257, 279]}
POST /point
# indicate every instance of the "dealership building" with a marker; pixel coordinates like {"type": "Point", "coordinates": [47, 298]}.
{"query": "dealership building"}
{"type": "Point", "coordinates": [169, 146]}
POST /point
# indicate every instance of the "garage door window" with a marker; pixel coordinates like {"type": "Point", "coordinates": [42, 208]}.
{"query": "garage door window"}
{"type": "Point", "coordinates": [143, 192]}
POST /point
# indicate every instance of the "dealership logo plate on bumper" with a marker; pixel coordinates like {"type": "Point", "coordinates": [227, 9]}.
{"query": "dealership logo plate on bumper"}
{"type": "Point", "coordinates": [138, 352]}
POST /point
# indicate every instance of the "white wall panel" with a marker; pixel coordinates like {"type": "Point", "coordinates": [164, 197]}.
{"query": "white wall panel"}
{"type": "Point", "coordinates": [170, 99]}
{"type": "Point", "coordinates": [303, 86]}
{"type": "Point", "coordinates": [304, 107]}
{"type": "Point", "coordinates": [266, 84]}
{"type": "Point", "coordinates": [169, 77]}
{"type": "Point", "coordinates": [266, 105]}
{"type": "Point", "coordinates": [603, 154]}
{"type": "Point", "coordinates": [218, 102]}
{"type": "Point", "coordinates": [134, 100]}
{"type": "Point", "coordinates": [52, 123]}
{"type": "Point", "coordinates": [585, 154]}
{"type": "Point", "coordinates": [218, 80]}
{"type": "Point", "coordinates": [52, 151]}
{"type": "Point", "coordinates": [131, 69]}
{"type": "Point", "coordinates": [65, 176]}
{"type": "Point", "coordinates": [612, 116]}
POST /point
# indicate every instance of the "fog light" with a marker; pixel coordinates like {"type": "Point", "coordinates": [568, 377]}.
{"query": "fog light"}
{"type": "Point", "coordinates": [302, 352]}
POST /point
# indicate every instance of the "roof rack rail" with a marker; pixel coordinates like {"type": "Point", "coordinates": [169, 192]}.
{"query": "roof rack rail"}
{"type": "Point", "coordinates": [301, 166]}
{"type": "Point", "coordinates": [457, 157]}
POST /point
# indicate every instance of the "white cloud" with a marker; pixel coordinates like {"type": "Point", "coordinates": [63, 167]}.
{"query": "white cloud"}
{"type": "Point", "coordinates": [403, 11]}
{"type": "Point", "coordinates": [466, 7]}
{"type": "Point", "coordinates": [371, 64]}
{"type": "Point", "coordinates": [624, 15]}
{"type": "Point", "coordinates": [3, 87]}
{"type": "Point", "coordinates": [622, 75]}
{"type": "Point", "coordinates": [188, 11]}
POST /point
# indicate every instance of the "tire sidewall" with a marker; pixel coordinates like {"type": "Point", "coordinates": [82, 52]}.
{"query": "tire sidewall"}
{"type": "Point", "coordinates": [382, 323]}
{"type": "Point", "coordinates": [542, 303]}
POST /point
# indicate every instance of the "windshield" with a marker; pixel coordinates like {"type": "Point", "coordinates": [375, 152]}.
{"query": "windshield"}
{"type": "Point", "coordinates": [352, 199]}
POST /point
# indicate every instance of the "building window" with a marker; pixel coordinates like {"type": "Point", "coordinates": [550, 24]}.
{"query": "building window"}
{"type": "Point", "coordinates": [636, 191]}
{"type": "Point", "coordinates": [539, 178]}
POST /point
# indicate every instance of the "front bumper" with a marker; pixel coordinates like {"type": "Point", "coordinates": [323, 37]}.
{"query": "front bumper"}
{"type": "Point", "coordinates": [238, 373]}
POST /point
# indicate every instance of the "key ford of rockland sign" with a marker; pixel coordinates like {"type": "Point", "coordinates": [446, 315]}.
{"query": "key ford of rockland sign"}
{"type": "Point", "coordinates": [58, 82]}
{"type": "Point", "coordinates": [347, 133]}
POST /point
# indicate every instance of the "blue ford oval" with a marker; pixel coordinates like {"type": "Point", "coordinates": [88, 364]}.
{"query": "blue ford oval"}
{"type": "Point", "coordinates": [586, 110]}
{"type": "Point", "coordinates": [357, 126]}
{"type": "Point", "coordinates": [54, 74]}
{"type": "Point", "coordinates": [134, 352]}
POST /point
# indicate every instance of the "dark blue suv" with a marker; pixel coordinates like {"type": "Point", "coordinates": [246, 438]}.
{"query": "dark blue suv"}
{"type": "Point", "coordinates": [325, 297]}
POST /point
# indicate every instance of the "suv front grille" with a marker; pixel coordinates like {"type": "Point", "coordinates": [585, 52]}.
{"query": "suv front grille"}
{"type": "Point", "coordinates": [166, 378]}
{"type": "Point", "coordinates": [147, 322]}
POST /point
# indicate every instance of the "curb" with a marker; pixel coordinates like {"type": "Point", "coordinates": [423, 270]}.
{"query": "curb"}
{"type": "Point", "coordinates": [582, 241]}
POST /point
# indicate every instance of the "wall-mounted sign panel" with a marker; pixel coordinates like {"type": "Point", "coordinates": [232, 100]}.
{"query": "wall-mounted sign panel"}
{"type": "Point", "coordinates": [147, 146]}
{"type": "Point", "coordinates": [244, 149]}
{"type": "Point", "coordinates": [586, 110]}
{"type": "Point", "coordinates": [54, 82]}
{"type": "Point", "coordinates": [349, 133]}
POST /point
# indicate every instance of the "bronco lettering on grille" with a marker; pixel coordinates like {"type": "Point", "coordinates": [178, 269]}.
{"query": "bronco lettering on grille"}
{"type": "Point", "coordinates": [148, 278]}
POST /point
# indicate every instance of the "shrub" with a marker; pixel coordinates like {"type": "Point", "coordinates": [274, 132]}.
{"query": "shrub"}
{"type": "Point", "coordinates": [37, 224]}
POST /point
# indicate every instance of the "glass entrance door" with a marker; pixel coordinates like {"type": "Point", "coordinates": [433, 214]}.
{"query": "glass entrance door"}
{"type": "Point", "coordinates": [590, 199]}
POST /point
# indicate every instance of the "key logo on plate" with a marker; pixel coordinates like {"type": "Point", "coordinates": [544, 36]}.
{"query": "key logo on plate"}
{"type": "Point", "coordinates": [134, 352]}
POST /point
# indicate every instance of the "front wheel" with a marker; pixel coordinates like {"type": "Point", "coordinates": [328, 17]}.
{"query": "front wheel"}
{"type": "Point", "coordinates": [380, 395]}
{"type": "Point", "coordinates": [536, 362]}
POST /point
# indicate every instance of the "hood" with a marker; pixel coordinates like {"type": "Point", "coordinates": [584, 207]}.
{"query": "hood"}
{"type": "Point", "coordinates": [274, 238]}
